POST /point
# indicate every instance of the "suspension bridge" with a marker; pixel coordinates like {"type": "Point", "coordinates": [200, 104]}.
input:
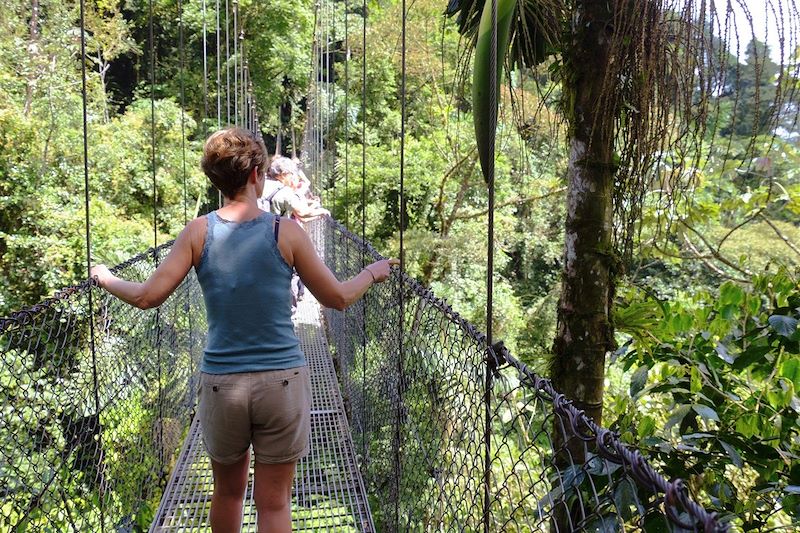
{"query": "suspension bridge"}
{"type": "Point", "coordinates": [419, 421]}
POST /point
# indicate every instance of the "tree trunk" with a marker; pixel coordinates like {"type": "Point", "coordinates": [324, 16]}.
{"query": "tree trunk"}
{"type": "Point", "coordinates": [584, 331]}
{"type": "Point", "coordinates": [584, 327]}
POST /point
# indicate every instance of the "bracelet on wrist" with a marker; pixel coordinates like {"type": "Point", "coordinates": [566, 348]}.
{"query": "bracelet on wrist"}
{"type": "Point", "coordinates": [370, 273]}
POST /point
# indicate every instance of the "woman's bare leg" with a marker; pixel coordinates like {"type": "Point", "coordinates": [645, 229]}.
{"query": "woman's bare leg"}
{"type": "Point", "coordinates": [230, 482]}
{"type": "Point", "coordinates": [273, 492]}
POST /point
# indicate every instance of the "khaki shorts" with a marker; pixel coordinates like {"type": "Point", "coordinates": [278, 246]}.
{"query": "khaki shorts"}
{"type": "Point", "coordinates": [271, 410]}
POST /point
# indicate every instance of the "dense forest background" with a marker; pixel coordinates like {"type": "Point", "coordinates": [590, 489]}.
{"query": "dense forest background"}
{"type": "Point", "coordinates": [707, 370]}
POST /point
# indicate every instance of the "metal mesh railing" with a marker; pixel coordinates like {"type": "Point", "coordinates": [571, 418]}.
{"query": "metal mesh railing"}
{"type": "Point", "coordinates": [451, 436]}
{"type": "Point", "coordinates": [87, 438]}
{"type": "Point", "coordinates": [455, 437]}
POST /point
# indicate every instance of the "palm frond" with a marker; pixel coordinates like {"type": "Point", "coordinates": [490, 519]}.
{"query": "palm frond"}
{"type": "Point", "coordinates": [535, 30]}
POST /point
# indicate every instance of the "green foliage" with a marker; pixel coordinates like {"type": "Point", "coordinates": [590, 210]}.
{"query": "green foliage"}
{"type": "Point", "coordinates": [714, 394]}
{"type": "Point", "coordinates": [446, 198]}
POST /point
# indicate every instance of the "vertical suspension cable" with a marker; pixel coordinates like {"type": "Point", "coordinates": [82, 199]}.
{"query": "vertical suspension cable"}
{"type": "Point", "coordinates": [236, 62]}
{"type": "Point", "coordinates": [307, 150]}
{"type": "Point", "coordinates": [320, 89]}
{"type": "Point", "coordinates": [489, 367]}
{"type": "Point", "coordinates": [317, 99]}
{"type": "Point", "coordinates": [315, 110]}
{"type": "Point", "coordinates": [205, 62]}
{"type": "Point", "coordinates": [346, 118]}
{"type": "Point", "coordinates": [219, 79]}
{"type": "Point", "coordinates": [245, 77]}
{"type": "Point", "coordinates": [227, 64]}
{"type": "Point", "coordinates": [278, 134]}
{"type": "Point", "coordinates": [219, 90]}
{"type": "Point", "coordinates": [318, 107]}
{"type": "Point", "coordinates": [187, 305]}
{"type": "Point", "coordinates": [87, 221]}
{"type": "Point", "coordinates": [330, 127]}
{"type": "Point", "coordinates": [401, 218]}
{"type": "Point", "coordinates": [364, 203]}
{"type": "Point", "coordinates": [152, 46]}
{"type": "Point", "coordinates": [182, 68]}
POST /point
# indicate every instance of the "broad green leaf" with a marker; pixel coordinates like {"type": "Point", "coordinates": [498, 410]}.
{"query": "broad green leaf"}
{"type": "Point", "coordinates": [751, 355]}
{"type": "Point", "coordinates": [747, 424]}
{"type": "Point", "coordinates": [736, 459]}
{"type": "Point", "coordinates": [646, 426]}
{"type": "Point", "coordinates": [696, 383]}
{"type": "Point", "coordinates": [791, 504]}
{"type": "Point", "coordinates": [656, 522]}
{"type": "Point", "coordinates": [608, 523]}
{"type": "Point", "coordinates": [638, 380]}
{"type": "Point", "coordinates": [731, 294]}
{"type": "Point", "coordinates": [677, 416]}
{"type": "Point", "coordinates": [790, 369]}
{"type": "Point", "coordinates": [722, 351]}
{"type": "Point", "coordinates": [626, 496]}
{"type": "Point", "coordinates": [706, 412]}
{"type": "Point", "coordinates": [783, 325]}
{"type": "Point", "coordinates": [780, 397]}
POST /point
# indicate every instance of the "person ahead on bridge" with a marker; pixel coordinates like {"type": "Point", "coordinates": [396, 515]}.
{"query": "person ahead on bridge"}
{"type": "Point", "coordinates": [254, 386]}
{"type": "Point", "coordinates": [281, 196]}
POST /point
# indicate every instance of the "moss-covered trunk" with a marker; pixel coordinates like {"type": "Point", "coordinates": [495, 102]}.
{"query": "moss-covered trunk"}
{"type": "Point", "coordinates": [584, 330]}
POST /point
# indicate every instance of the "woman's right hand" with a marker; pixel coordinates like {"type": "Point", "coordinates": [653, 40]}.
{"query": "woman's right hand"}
{"type": "Point", "coordinates": [101, 273]}
{"type": "Point", "coordinates": [381, 270]}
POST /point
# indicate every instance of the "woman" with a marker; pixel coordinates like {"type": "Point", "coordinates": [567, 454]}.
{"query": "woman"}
{"type": "Point", "coordinates": [254, 387]}
{"type": "Point", "coordinates": [281, 195]}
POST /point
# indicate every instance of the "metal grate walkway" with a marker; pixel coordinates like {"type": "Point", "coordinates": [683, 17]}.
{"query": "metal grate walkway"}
{"type": "Point", "coordinates": [328, 493]}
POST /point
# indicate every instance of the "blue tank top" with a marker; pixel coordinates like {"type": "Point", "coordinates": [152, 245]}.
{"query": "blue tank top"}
{"type": "Point", "coordinates": [246, 287]}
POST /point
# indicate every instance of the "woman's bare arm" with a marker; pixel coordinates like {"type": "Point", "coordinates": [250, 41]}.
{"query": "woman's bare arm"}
{"type": "Point", "coordinates": [164, 280]}
{"type": "Point", "coordinates": [328, 290]}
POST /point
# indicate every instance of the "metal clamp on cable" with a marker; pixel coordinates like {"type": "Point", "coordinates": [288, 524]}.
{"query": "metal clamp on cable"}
{"type": "Point", "coordinates": [496, 356]}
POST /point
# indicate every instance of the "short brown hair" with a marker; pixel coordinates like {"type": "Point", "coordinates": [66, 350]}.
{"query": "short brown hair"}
{"type": "Point", "coordinates": [229, 156]}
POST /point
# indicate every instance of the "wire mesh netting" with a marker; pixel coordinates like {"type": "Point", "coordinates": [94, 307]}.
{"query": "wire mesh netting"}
{"type": "Point", "coordinates": [450, 435]}
{"type": "Point", "coordinates": [453, 436]}
{"type": "Point", "coordinates": [88, 437]}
